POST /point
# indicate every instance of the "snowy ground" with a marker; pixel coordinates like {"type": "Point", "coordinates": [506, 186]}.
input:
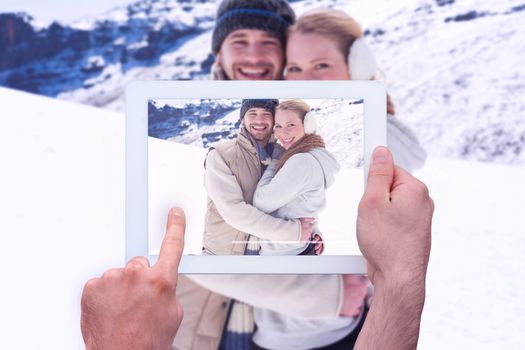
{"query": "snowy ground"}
{"type": "Point", "coordinates": [62, 214]}
{"type": "Point", "coordinates": [62, 204]}
{"type": "Point", "coordinates": [475, 292]}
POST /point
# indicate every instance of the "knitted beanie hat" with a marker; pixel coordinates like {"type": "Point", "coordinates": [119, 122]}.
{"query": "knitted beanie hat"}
{"type": "Point", "coordinates": [272, 16]}
{"type": "Point", "coordinates": [268, 104]}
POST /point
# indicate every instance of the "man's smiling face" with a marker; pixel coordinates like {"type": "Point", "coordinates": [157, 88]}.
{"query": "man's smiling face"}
{"type": "Point", "coordinates": [259, 123]}
{"type": "Point", "coordinates": [251, 54]}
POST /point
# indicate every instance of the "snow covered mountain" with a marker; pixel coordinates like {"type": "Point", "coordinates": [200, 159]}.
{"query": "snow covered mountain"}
{"type": "Point", "coordinates": [86, 60]}
{"type": "Point", "coordinates": [199, 122]}
{"type": "Point", "coordinates": [453, 68]}
{"type": "Point", "coordinates": [204, 123]}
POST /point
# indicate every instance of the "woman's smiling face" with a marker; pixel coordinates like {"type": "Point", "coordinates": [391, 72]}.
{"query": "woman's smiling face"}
{"type": "Point", "coordinates": [288, 127]}
{"type": "Point", "coordinates": [312, 56]}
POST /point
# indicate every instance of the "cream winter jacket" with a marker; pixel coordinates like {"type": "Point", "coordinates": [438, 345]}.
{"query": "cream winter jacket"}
{"type": "Point", "coordinates": [297, 190]}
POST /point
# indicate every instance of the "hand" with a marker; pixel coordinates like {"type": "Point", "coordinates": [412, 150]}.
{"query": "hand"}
{"type": "Point", "coordinates": [319, 244]}
{"type": "Point", "coordinates": [393, 223]}
{"type": "Point", "coordinates": [394, 232]}
{"type": "Point", "coordinates": [307, 228]}
{"type": "Point", "coordinates": [355, 288]}
{"type": "Point", "coordinates": [136, 307]}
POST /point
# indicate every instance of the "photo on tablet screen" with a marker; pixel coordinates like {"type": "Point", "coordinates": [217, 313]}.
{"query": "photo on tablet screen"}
{"type": "Point", "coordinates": [284, 167]}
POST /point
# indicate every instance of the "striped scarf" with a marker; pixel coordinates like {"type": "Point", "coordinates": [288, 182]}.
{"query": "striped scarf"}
{"type": "Point", "coordinates": [240, 324]}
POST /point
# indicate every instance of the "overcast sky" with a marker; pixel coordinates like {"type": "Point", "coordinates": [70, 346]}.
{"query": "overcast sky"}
{"type": "Point", "coordinates": [65, 11]}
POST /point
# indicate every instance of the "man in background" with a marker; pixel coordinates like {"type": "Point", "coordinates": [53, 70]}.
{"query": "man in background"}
{"type": "Point", "coordinates": [249, 39]}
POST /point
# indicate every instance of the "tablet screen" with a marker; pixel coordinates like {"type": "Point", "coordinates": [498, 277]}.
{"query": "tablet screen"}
{"type": "Point", "coordinates": [285, 169]}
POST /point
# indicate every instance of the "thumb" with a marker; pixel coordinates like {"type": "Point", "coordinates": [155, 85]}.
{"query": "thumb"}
{"type": "Point", "coordinates": [380, 175]}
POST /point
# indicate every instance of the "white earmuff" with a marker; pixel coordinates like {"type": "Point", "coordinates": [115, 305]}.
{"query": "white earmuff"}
{"type": "Point", "coordinates": [310, 125]}
{"type": "Point", "coordinates": [361, 62]}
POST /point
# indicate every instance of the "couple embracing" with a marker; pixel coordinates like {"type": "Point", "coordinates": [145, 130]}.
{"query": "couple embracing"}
{"type": "Point", "coordinates": [286, 179]}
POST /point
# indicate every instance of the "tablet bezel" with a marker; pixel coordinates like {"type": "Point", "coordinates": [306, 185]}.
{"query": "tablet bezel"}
{"type": "Point", "coordinates": [138, 93]}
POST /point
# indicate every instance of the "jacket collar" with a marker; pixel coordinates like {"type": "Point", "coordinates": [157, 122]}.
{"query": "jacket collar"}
{"type": "Point", "coordinates": [248, 142]}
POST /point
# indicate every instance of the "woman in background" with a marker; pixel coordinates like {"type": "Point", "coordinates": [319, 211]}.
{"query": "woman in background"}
{"type": "Point", "coordinates": [327, 44]}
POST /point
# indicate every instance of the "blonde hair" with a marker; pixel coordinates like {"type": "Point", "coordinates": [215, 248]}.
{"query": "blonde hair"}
{"type": "Point", "coordinates": [298, 106]}
{"type": "Point", "coordinates": [336, 25]}
{"type": "Point", "coordinates": [308, 141]}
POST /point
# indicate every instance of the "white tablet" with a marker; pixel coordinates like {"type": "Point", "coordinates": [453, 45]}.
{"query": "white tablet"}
{"type": "Point", "coordinates": [172, 125]}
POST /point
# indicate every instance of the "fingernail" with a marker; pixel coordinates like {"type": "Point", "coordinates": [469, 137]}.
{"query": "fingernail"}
{"type": "Point", "coordinates": [176, 211]}
{"type": "Point", "coordinates": [380, 155]}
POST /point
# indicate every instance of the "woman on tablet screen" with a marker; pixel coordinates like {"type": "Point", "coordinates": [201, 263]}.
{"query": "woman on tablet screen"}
{"type": "Point", "coordinates": [293, 186]}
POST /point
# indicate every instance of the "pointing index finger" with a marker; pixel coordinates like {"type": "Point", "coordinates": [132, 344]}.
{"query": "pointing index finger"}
{"type": "Point", "coordinates": [173, 242]}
